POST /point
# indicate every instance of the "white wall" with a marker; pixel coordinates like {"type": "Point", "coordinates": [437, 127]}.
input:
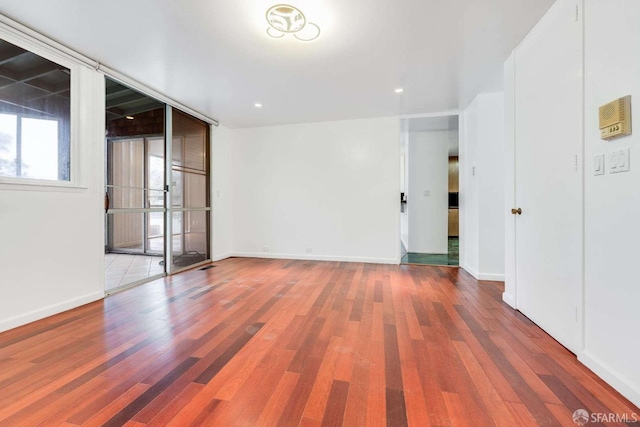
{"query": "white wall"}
{"type": "Point", "coordinates": [428, 196]}
{"type": "Point", "coordinates": [469, 190]}
{"type": "Point", "coordinates": [220, 193]}
{"type": "Point", "coordinates": [332, 187]}
{"type": "Point", "coordinates": [509, 295]}
{"type": "Point", "coordinates": [482, 198]}
{"type": "Point", "coordinates": [51, 238]}
{"type": "Point", "coordinates": [491, 182]}
{"type": "Point", "coordinates": [404, 216]}
{"type": "Point", "coordinates": [612, 201]}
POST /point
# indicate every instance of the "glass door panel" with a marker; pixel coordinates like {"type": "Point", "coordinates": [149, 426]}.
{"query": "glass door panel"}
{"type": "Point", "coordinates": [135, 183]}
{"type": "Point", "coordinates": [135, 187]}
{"type": "Point", "coordinates": [136, 212]}
{"type": "Point", "coordinates": [190, 202]}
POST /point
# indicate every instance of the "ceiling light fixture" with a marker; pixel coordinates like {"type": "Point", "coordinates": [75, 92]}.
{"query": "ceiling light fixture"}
{"type": "Point", "coordinates": [399, 90]}
{"type": "Point", "coordinates": [285, 19]}
{"type": "Point", "coordinates": [257, 105]}
{"type": "Point", "coordinates": [130, 117]}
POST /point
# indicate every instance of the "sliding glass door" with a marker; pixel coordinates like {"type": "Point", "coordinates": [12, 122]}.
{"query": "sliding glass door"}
{"type": "Point", "coordinates": [135, 208]}
{"type": "Point", "coordinates": [157, 189]}
{"type": "Point", "coordinates": [135, 187]}
{"type": "Point", "coordinates": [190, 206]}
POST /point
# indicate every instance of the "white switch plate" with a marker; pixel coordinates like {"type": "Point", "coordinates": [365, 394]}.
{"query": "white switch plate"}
{"type": "Point", "coordinates": [624, 160]}
{"type": "Point", "coordinates": [619, 161]}
{"type": "Point", "coordinates": [612, 162]}
{"type": "Point", "coordinates": [598, 165]}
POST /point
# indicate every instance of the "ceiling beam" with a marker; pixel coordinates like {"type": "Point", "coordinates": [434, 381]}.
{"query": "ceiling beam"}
{"type": "Point", "coordinates": [118, 93]}
{"type": "Point", "coordinates": [64, 93]}
{"type": "Point", "coordinates": [11, 53]}
{"type": "Point", "coordinates": [50, 104]}
{"type": "Point", "coordinates": [19, 108]}
{"type": "Point", "coordinates": [149, 106]}
{"type": "Point", "coordinates": [28, 75]}
{"type": "Point", "coordinates": [116, 111]}
{"type": "Point", "coordinates": [124, 100]}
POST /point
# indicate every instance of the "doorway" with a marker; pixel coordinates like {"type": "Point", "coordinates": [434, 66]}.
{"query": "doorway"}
{"type": "Point", "coordinates": [157, 202]}
{"type": "Point", "coordinates": [430, 191]}
{"type": "Point", "coordinates": [547, 204]}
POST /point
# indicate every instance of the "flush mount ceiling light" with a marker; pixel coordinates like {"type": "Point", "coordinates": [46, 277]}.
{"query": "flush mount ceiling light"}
{"type": "Point", "coordinates": [399, 90]}
{"type": "Point", "coordinates": [285, 19]}
{"type": "Point", "coordinates": [257, 105]}
{"type": "Point", "coordinates": [130, 117]}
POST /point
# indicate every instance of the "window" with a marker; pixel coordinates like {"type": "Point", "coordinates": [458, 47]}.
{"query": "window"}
{"type": "Point", "coordinates": [35, 111]}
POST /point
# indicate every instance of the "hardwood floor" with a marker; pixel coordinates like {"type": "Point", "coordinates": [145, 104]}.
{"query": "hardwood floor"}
{"type": "Point", "coordinates": [286, 343]}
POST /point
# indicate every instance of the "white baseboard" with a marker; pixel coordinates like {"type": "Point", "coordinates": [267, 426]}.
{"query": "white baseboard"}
{"type": "Point", "coordinates": [312, 257]}
{"type": "Point", "coordinates": [509, 299]}
{"type": "Point", "coordinates": [482, 276]}
{"type": "Point", "coordinates": [470, 270]}
{"type": "Point", "coordinates": [221, 257]}
{"type": "Point", "coordinates": [41, 313]}
{"type": "Point", "coordinates": [491, 277]}
{"type": "Point", "coordinates": [612, 377]}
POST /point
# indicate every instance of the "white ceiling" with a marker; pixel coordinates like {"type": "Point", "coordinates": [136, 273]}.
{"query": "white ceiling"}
{"type": "Point", "coordinates": [426, 124]}
{"type": "Point", "coordinates": [215, 56]}
{"type": "Point", "coordinates": [436, 124]}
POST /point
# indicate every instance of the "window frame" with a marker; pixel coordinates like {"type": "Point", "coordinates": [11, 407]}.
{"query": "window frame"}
{"type": "Point", "coordinates": [20, 117]}
{"type": "Point", "coordinates": [45, 51]}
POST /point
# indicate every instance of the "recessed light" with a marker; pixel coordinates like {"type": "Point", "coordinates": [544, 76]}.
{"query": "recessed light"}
{"type": "Point", "coordinates": [285, 19]}
{"type": "Point", "coordinates": [130, 117]}
{"type": "Point", "coordinates": [257, 105]}
{"type": "Point", "coordinates": [399, 90]}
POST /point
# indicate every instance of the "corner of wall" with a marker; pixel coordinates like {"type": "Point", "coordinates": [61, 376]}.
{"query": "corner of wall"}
{"type": "Point", "coordinates": [509, 299]}
{"type": "Point", "coordinates": [470, 270]}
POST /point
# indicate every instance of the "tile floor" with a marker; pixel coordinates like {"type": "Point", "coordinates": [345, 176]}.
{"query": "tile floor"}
{"type": "Point", "coordinates": [451, 259]}
{"type": "Point", "coordinates": [122, 269]}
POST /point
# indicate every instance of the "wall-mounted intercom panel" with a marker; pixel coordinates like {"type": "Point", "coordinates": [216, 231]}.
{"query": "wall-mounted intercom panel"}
{"type": "Point", "coordinates": [615, 118]}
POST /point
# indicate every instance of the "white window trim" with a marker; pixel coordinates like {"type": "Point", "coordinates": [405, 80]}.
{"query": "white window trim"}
{"type": "Point", "coordinates": [80, 82]}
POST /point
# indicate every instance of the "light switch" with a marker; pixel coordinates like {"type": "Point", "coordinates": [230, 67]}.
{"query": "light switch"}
{"type": "Point", "coordinates": [598, 165]}
{"type": "Point", "coordinates": [619, 161]}
{"type": "Point", "coordinates": [623, 160]}
{"type": "Point", "coordinates": [613, 162]}
{"type": "Point", "coordinates": [426, 193]}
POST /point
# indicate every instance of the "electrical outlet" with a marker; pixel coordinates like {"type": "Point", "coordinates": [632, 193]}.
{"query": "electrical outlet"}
{"type": "Point", "coordinates": [309, 250]}
{"type": "Point", "coordinates": [265, 249]}
{"type": "Point", "coordinates": [426, 193]}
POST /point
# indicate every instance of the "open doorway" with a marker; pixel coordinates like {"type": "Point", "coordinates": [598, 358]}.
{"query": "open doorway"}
{"type": "Point", "coordinates": [157, 185]}
{"type": "Point", "coordinates": [135, 187]}
{"type": "Point", "coordinates": [430, 191]}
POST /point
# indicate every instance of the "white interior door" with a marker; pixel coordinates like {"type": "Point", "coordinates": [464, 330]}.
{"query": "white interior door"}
{"type": "Point", "coordinates": [548, 173]}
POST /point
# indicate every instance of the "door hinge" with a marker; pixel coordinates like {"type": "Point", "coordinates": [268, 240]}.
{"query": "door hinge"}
{"type": "Point", "coordinates": [577, 12]}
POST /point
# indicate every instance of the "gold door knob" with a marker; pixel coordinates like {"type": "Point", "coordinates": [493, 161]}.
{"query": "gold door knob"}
{"type": "Point", "coordinates": [516, 211]}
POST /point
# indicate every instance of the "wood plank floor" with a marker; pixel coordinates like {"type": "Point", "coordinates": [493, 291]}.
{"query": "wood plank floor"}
{"type": "Point", "coordinates": [296, 343]}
